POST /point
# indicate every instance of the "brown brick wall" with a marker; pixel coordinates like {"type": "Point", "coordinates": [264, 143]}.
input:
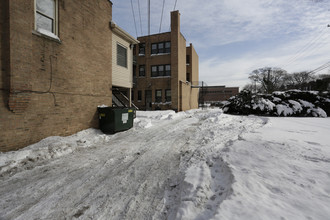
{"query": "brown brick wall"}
{"type": "Point", "coordinates": [182, 97]}
{"type": "Point", "coordinates": [49, 87]}
{"type": "Point", "coordinates": [219, 93]}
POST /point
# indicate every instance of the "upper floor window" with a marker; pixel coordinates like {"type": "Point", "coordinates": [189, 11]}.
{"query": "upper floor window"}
{"type": "Point", "coordinates": [142, 70]}
{"type": "Point", "coordinates": [187, 59]}
{"type": "Point", "coordinates": [142, 49]}
{"type": "Point", "coordinates": [167, 70]}
{"type": "Point", "coordinates": [161, 48]}
{"type": "Point", "coordinates": [161, 70]}
{"type": "Point", "coordinates": [121, 56]}
{"type": "Point", "coordinates": [46, 16]}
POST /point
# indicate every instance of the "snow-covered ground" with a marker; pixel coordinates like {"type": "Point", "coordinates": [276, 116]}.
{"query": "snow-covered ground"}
{"type": "Point", "coordinates": [188, 165]}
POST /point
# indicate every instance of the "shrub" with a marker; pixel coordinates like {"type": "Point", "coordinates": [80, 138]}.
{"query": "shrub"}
{"type": "Point", "coordinates": [289, 103]}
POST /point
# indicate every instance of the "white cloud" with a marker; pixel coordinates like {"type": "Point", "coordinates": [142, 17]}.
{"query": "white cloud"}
{"type": "Point", "coordinates": [288, 26]}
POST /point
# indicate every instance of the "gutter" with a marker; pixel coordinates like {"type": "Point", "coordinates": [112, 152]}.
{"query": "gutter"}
{"type": "Point", "coordinates": [119, 31]}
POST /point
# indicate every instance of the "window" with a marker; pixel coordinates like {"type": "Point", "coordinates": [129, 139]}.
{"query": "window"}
{"type": "Point", "coordinates": [154, 49]}
{"type": "Point", "coordinates": [142, 71]}
{"type": "Point", "coordinates": [167, 95]}
{"type": "Point", "coordinates": [159, 95]}
{"type": "Point", "coordinates": [188, 59]}
{"type": "Point", "coordinates": [167, 47]}
{"type": "Point", "coordinates": [188, 77]}
{"type": "Point", "coordinates": [142, 49]}
{"type": "Point", "coordinates": [139, 95]}
{"type": "Point", "coordinates": [161, 70]}
{"type": "Point", "coordinates": [167, 70]}
{"type": "Point", "coordinates": [132, 95]}
{"type": "Point", "coordinates": [121, 56]}
{"type": "Point", "coordinates": [154, 71]}
{"type": "Point", "coordinates": [161, 48]}
{"type": "Point", "coordinates": [46, 16]}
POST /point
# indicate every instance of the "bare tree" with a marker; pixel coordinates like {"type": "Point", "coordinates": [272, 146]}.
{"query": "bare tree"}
{"type": "Point", "coordinates": [301, 78]}
{"type": "Point", "coordinates": [270, 78]}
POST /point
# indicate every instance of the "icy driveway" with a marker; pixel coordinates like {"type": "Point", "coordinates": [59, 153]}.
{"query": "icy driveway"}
{"type": "Point", "coordinates": [193, 165]}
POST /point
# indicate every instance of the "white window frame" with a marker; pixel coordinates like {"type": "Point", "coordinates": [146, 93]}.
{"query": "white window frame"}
{"type": "Point", "coordinates": [55, 20]}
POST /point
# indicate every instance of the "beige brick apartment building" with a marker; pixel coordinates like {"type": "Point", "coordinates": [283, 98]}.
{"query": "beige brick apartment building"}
{"type": "Point", "coordinates": [56, 67]}
{"type": "Point", "coordinates": [165, 71]}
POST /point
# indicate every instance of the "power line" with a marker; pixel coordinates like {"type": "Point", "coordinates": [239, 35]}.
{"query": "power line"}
{"type": "Point", "coordinates": [161, 18]}
{"type": "Point", "coordinates": [134, 18]}
{"type": "Point", "coordinates": [303, 51]}
{"type": "Point", "coordinates": [140, 17]}
{"type": "Point", "coordinates": [320, 68]}
{"type": "Point", "coordinates": [175, 5]}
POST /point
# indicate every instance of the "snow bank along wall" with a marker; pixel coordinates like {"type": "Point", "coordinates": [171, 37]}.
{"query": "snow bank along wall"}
{"type": "Point", "coordinates": [51, 86]}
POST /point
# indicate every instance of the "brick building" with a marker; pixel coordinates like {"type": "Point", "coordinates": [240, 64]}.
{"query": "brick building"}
{"type": "Point", "coordinates": [56, 67]}
{"type": "Point", "coordinates": [214, 94]}
{"type": "Point", "coordinates": [165, 71]}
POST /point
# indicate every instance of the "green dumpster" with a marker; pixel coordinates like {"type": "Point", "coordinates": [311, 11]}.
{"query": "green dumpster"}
{"type": "Point", "coordinates": [114, 119]}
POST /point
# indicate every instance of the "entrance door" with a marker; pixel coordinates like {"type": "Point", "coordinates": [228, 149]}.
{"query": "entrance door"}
{"type": "Point", "coordinates": [148, 102]}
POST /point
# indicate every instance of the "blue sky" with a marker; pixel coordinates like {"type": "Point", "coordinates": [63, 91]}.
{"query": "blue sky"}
{"type": "Point", "coordinates": [234, 37]}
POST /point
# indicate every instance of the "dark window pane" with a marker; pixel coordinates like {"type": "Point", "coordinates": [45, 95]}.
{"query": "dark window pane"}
{"type": "Point", "coordinates": [188, 77]}
{"type": "Point", "coordinates": [168, 95]}
{"type": "Point", "coordinates": [154, 71]}
{"type": "Point", "coordinates": [121, 56]}
{"type": "Point", "coordinates": [161, 71]}
{"type": "Point", "coordinates": [161, 48]}
{"type": "Point", "coordinates": [142, 71]}
{"type": "Point", "coordinates": [188, 59]}
{"type": "Point", "coordinates": [167, 47]}
{"type": "Point", "coordinates": [142, 50]}
{"type": "Point", "coordinates": [154, 49]}
{"type": "Point", "coordinates": [158, 95]}
{"type": "Point", "coordinates": [168, 70]}
{"type": "Point", "coordinates": [139, 95]}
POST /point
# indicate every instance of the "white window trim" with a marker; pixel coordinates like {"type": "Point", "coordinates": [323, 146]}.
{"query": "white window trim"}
{"type": "Point", "coordinates": [54, 34]}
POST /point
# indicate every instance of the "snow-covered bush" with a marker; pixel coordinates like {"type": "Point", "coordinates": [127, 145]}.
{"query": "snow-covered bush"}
{"type": "Point", "coordinates": [289, 103]}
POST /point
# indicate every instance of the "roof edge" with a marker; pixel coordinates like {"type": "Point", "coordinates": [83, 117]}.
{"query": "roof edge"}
{"type": "Point", "coordinates": [121, 32]}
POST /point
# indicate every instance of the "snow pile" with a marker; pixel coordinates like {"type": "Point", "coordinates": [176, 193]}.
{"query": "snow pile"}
{"type": "Point", "coordinates": [49, 148]}
{"type": "Point", "coordinates": [290, 103]}
{"type": "Point", "coordinates": [145, 119]}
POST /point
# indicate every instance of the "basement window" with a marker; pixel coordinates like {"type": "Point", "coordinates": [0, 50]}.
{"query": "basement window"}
{"type": "Point", "coordinates": [46, 17]}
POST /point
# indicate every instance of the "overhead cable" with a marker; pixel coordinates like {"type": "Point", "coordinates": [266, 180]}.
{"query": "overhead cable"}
{"type": "Point", "coordinates": [134, 18]}
{"type": "Point", "coordinates": [161, 18]}
{"type": "Point", "coordinates": [140, 17]}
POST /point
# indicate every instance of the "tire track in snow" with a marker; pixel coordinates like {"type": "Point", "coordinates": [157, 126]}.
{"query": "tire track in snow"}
{"type": "Point", "coordinates": [208, 178]}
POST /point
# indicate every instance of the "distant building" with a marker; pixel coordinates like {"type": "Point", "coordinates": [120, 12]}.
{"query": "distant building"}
{"type": "Point", "coordinates": [213, 94]}
{"type": "Point", "coordinates": [165, 71]}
